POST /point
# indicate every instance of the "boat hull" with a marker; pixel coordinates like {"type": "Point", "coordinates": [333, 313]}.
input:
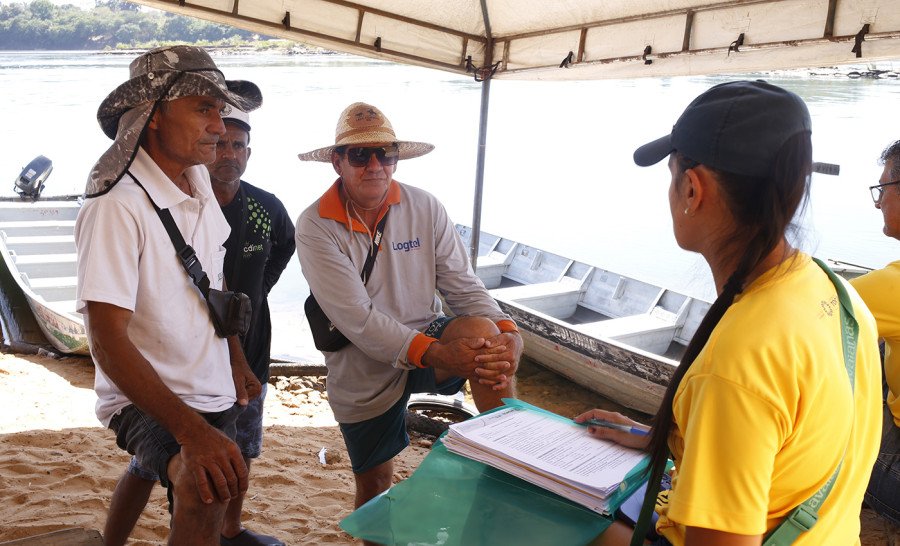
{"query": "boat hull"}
{"type": "Point", "coordinates": [623, 374]}
{"type": "Point", "coordinates": [615, 335]}
{"type": "Point", "coordinates": [37, 246]}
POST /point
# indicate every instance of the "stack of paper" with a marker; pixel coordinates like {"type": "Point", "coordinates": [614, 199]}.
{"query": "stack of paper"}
{"type": "Point", "coordinates": [547, 450]}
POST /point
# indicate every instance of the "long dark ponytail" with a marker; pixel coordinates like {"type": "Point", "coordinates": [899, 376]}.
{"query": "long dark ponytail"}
{"type": "Point", "coordinates": [763, 209]}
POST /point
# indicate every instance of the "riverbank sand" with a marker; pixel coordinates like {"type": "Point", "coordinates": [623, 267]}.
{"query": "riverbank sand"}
{"type": "Point", "coordinates": [58, 466]}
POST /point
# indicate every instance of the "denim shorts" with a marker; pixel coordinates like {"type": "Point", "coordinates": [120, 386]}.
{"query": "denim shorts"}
{"type": "Point", "coordinates": [883, 493]}
{"type": "Point", "coordinates": [248, 435]}
{"type": "Point", "coordinates": [379, 439]}
{"type": "Point", "coordinates": [152, 445]}
{"type": "Point", "coordinates": [250, 426]}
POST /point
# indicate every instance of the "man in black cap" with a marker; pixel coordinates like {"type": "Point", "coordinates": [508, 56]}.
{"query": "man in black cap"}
{"type": "Point", "coordinates": [168, 385]}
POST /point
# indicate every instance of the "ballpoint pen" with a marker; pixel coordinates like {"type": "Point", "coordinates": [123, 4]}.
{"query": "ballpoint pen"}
{"type": "Point", "coordinates": [615, 426]}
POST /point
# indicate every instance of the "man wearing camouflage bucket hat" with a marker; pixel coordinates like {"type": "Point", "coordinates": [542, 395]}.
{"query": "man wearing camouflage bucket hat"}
{"type": "Point", "coordinates": [401, 340]}
{"type": "Point", "coordinates": [168, 386]}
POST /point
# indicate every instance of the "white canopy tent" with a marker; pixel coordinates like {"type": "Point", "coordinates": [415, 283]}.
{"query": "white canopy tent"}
{"type": "Point", "coordinates": [576, 39]}
{"type": "Point", "coordinates": [573, 39]}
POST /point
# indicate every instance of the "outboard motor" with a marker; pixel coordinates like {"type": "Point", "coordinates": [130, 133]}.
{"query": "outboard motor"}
{"type": "Point", "coordinates": [30, 182]}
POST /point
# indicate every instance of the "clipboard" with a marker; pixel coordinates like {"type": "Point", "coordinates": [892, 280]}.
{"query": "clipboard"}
{"type": "Point", "coordinates": [451, 500]}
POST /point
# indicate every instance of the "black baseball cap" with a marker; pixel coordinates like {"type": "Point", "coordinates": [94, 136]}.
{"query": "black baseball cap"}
{"type": "Point", "coordinates": [737, 127]}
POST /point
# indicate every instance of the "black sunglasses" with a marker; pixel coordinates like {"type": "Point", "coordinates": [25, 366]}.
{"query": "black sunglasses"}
{"type": "Point", "coordinates": [386, 155]}
{"type": "Point", "coordinates": [878, 190]}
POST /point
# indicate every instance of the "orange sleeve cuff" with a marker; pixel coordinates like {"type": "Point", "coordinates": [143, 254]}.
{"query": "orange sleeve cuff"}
{"type": "Point", "coordinates": [417, 348]}
{"type": "Point", "coordinates": [507, 325]}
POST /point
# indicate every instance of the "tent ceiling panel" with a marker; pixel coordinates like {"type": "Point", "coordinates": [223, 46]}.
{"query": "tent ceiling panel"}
{"type": "Point", "coordinates": [880, 16]}
{"type": "Point", "coordinates": [314, 16]}
{"type": "Point", "coordinates": [511, 17]}
{"type": "Point", "coordinates": [508, 18]}
{"type": "Point", "coordinates": [629, 39]}
{"type": "Point", "coordinates": [432, 44]}
{"type": "Point", "coordinates": [531, 38]}
{"type": "Point", "coordinates": [544, 50]}
{"type": "Point", "coordinates": [463, 16]}
{"type": "Point", "coordinates": [760, 23]}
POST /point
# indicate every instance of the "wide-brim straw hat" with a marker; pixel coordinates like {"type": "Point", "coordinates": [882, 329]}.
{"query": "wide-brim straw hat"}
{"type": "Point", "coordinates": [362, 124]}
{"type": "Point", "coordinates": [161, 74]}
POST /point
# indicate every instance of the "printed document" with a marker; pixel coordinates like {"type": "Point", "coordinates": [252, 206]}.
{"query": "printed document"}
{"type": "Point", "coordinates": [547, 450]}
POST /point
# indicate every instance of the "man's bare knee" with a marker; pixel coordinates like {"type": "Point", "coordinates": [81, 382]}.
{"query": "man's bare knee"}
{"type": "Point", "coordinates": [187, 496]}
{"type": "Point", "coordinates": [462, 327]}
{"type": "Point", "coordinates": [193, 521]}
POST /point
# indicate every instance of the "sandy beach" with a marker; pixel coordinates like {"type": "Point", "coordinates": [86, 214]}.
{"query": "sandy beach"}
{"type": "Point", "coordinates": [58, 465]}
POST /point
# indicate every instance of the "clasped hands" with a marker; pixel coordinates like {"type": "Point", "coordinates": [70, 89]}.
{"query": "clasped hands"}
{"type": "Point", "coordinates": [490, 361]}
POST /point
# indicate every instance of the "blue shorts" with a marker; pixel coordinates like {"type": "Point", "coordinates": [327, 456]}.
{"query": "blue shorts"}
{"type": "Point", "coordinates": [379, 439]}
{"type": "Point", "coordinates": [248, 436]}
{"type": "Point", "coordinates": [153, 445]}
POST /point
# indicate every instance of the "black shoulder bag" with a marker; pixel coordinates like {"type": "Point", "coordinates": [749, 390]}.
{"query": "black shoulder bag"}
{"type": "Point", "coordinates": [230, 311]}
{"type": "Point", "coordinates": [325, 335]}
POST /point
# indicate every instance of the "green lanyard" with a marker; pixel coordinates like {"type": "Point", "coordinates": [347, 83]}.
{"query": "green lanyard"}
{"type": "Point", "coordinates": [804, 516]}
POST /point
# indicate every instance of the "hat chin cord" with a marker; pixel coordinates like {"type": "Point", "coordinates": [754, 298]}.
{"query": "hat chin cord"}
{"type": "Point", "coordinates": [350, 204]}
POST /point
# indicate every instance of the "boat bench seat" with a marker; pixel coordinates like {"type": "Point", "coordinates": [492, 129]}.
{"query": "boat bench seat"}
{"type": "Point", "coordinates": [653, 331]}
{"type": "Point", "coordinates": [555, 298]}
{"type": "Point", "coordinates": [31, 228]}
{"type": "Point", "coordinates": [52, 289]}
{"type": "Point", "coordinates": [43, 244]}
{"type": "Point", "coordinates": [51, 282]}
{"type": "Point", "coordinates": [46, 265]}
{"type": "Point", "coordinates": [28, 259]}
{"type": "Point", "coordinates": [491, 268]}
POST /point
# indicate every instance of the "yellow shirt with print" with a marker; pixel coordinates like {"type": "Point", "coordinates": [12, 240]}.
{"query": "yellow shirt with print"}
{"type": "Point", "coordinates": [765, 413]}
{"type": "Point", "coordinates": [880, 290]}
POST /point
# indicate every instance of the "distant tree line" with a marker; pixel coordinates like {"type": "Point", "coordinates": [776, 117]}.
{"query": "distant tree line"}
{"type": "Point", "coordinates": [41, 24]}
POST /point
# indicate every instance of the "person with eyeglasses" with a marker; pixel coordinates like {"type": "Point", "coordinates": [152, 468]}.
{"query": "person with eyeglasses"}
{"type": "Point", "coordinates": [881, 291]}
{"type": "Point", "coordinates": [401, 340]}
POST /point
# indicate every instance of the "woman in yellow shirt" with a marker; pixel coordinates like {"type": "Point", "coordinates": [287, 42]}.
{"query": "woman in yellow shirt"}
{"type": "Point", "coordinates": [760, 412]}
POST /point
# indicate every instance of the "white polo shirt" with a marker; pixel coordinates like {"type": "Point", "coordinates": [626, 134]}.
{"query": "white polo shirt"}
{"type": "Point", "coordinates": [126, 258]}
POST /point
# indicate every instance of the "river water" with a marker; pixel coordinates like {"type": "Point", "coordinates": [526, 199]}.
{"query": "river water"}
{"type": "Point", "coordinates": [559, 174]}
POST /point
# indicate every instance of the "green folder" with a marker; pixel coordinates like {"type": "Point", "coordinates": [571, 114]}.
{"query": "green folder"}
{"type": "Point", "coordinates": [451, 500]}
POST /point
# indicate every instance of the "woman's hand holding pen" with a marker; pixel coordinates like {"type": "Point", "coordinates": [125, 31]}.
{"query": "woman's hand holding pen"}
{"type": "Point", "coordinates": [628, 439]}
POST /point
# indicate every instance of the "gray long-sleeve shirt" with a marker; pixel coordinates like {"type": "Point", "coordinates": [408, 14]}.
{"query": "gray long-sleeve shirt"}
{"type": "Point", "coordinates": [420, 253]}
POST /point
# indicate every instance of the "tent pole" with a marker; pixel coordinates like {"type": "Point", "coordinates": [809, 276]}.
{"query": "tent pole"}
{"type": "Point", "coordinates": [486, 74]}
{"type": "Point", "coordinates": [479, 172]}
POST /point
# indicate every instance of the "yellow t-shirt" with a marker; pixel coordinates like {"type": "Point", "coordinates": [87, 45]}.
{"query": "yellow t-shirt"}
{"type": "Point", "coordinates": [881, 291]}
{"type": "Point", "coordinates": [764, 415]}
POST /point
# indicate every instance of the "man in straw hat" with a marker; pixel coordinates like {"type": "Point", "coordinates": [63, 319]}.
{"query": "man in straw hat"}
{"type": "Point", "coordinates": [167, 385]}
{"type": "Point", "coordinates": [257, 251]}
{"type": "Point", "coordinates": [401, 341]}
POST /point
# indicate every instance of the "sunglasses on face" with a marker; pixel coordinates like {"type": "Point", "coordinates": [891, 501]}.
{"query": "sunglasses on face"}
{"type": "Point", "coordinates": [386, 155]}
{"type": "Point", "coordinates": [878, 190]}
